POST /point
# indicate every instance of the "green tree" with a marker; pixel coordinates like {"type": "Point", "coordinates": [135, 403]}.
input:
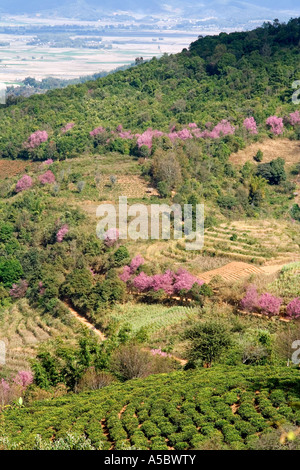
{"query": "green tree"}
{"type": "Point", "coordinates": [207, 342]}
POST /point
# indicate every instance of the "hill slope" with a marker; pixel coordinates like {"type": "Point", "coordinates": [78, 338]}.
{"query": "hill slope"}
{"type": "Point", "coordinates": [182, 410]}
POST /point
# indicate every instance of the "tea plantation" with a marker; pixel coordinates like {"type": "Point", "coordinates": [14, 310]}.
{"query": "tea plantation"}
{"type": "Point", "coordinates": [181, 410]}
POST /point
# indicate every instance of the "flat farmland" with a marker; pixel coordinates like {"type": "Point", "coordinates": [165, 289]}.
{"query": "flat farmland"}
{"type": "Point", "coordinates": [20, 60]}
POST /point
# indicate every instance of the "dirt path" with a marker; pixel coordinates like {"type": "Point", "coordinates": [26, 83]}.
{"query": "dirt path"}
{"type": "Point", "coordinates": [85, 322]}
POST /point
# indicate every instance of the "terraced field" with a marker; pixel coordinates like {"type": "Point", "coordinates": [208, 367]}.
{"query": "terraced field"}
{"type": "Point", "coordinates": [23, 330]}
{"type": "Point", "coordinates": [234, 250]}
{"type": "Point", "coordinates": [182, 410]}
{"type": "Point", "coordinates": [151, 317]}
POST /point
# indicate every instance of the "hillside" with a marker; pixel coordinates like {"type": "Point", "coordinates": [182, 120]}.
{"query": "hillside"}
{"type": "Point", "coordinates": [184, 410]}
{"type": "Point", "coordinates": [140, 342]}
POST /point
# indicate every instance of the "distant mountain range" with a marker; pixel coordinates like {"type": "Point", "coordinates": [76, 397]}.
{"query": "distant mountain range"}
{"type": "Point", "coordinates": [216, 11]}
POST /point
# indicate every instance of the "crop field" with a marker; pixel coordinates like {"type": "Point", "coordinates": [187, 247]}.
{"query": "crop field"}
{"type": "Point", "coordinates": [24, 329]}
{"type": "Point", "coordinates": [20, 60]}
{"type": "Point", "coordinates": [287, 285]}
{"type": "Point", "coordinates": [151, 317]}
{"type": "Point", "coordinates": [182, 410]}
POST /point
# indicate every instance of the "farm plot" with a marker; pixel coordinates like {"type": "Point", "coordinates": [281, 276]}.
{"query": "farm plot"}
{"type": "Point", "coordinates": [22, 329]}
{"type": "Point", "coordinates": [182, 411]}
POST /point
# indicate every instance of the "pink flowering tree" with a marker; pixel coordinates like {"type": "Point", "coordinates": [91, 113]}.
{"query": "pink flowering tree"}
{"type": "Point", "coordinates": [142, 282]}
{"type": "Point", "coordinates": [36, 139]}
{"type": "Point", "coordinates": [23, 378]}
{"type": "Point", "coordinates": [136, 262]}
{"type": "Point", "coordinates": [48, 162]}
{"type": "Point", "coordinates": [111, 237]}
{"type": "Point", "coordinates": [293, 308]}
{"type": "Point", "coordinates": [250, 125]}
{"type": "Point", "coordinates": [294, 118]}
{"type": "Point", "coordinates": [62, 232]}
{"type": "Point", "coordinates": [24, 183]}
{"type": "Point", "coordinates": [169, 282]}
{"type": "Point", "coordinates": [126, 274]}
{"type": "Point", "coordinates": [47, 178]}
{"type": "Point", "coordinates": [19, 290]}
{"type": "Point", "coordinates": [276, 125]}
{"type": "Point", "coordinates": [159, 352]}
{"type": "Point", "coordinates": [250, 301]}
{"type": "Point", "coordinates": [184, 281]}
{"type": "Point", "coordinates": [269, 304]}
{"type": "Point", "coordinates": [96, 131]}
{"type": "Point", "coordinates": [14, 389]}
{"type": "Point", "coordinates": [67, 127]}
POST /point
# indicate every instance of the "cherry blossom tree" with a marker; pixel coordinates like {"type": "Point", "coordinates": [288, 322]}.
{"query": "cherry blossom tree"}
{"type": "Point", "coordinates": [36, 139]}
{"type": "Point", "coordinates": [47, 178]}
{"type": "Point", "coordinates": [269, 304]}
{"type": "Point", "coordinates": [293, 308]}
{"type": "Point", "coordinates": [62, 233]}
{"type": "Point", "coordinates": [24, 183]}
{"type": "Point", "coordinates": [250, 125]}
{"type": "Point", "coordinates": [276, 124]}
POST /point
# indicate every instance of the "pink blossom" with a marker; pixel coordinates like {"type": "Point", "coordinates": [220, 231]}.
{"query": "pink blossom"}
{"type": "Point", "coordinates": [67, 127]}
{"type": "Point", "coordinates": [250, 125]}
{"type": "Point", "coordinates": [48, 162]}
{"type": "Point", "coordinates": [111, 237]}
{"type": "Point", "coordinates": [136, 263]}
{"type": "Point", "coordinates": [159, 352]}
{"type": "Point", "coordinates": [269, 304]}
{"type": "Point", "coordinates": [126, 274]}
{"type": "Point", "coordinates": [62, 233]}
{"type": "Point", "coordinates": [295, 118]}
{"type": "Point", "coordinates": [96, 131]}
{"type": "Point", "coordinates": [163, 282]}
{"type": "Point", "coordinates": [19, 290]}
{"type": "Point", "coordinates": [293, 308]}
{"type": "Point", "coordinates": [276, 124]}
{"type": "Point", "coordinates": [184, 134]}
{"type": "Point", "coordinates": [221, 129]}
{"type": "Point", "coordinates": [193, 125]}
{"type": "Point", "coordinates": [47, 178]}
{"type": "Point", "coordinates": [36, 139]}
{"type": "Point", "coordinates": [24, 183]}
{"type": "Point", "coordinates": [142, 282]}
{"type": "Point", "coordinates": [147, 136]}
{"type": "Point", "coordinates": [250, 300]}
{"type": "Point", "coordinates": [23, 378]}
{"type": "Point", "coordinates": [185, 281]}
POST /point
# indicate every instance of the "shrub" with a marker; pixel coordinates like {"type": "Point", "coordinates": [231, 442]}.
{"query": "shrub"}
{"type": "Point", "coordinates": [93, 380]}
{"type": "Point", "coordinates": [259, 156]}
{"type": "Point", "coordinates": [131, 362]}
